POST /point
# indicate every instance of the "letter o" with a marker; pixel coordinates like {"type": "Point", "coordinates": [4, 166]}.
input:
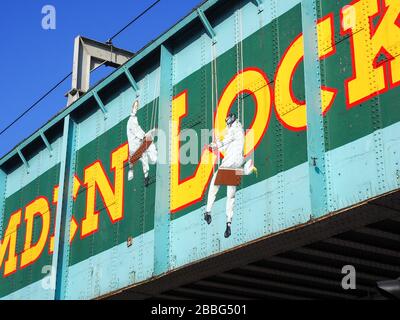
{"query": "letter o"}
{"type": "Point", "coordinates": [254, 82]}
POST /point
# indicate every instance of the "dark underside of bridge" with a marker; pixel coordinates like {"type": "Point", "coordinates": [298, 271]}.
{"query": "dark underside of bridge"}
{"type": "Point", "coordinates": [301, 263]}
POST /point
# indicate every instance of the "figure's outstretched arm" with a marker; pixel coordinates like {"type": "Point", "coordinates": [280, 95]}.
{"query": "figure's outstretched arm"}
{"type": "Point", "coordinates": [222, 145]}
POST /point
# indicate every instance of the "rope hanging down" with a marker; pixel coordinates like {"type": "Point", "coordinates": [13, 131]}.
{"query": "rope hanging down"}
{"type": "Point", "coordinates": [214, 92]}
{"type": "Point", "coordinates": [239, 65]}
{"type": "Point", "coordinates": [156, 102]}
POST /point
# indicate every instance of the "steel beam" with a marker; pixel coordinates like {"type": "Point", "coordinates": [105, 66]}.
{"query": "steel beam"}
{"type": "Point", "coordinates": [199, 293]}
{"type": "Point", "coordinates": [207, 25]}
{"type": "Point", "coordinates": [397, 219]}
{"type": "Point", "coordinates": [375, 234]}
{"type": "Point", "coordinates": [289, 276]}
{"type": "Point", "coordinates": [315, 121]}
{"type": "Point", "coordinates": [336, 259]}
{"type": "Point", "coordinates": [390, 225]}
{"type": "Point", "coordinates": [100, 103]}
{"type": "Point", "coordinates": [268, 291]}
{"type": "Point", "coordinates": [60, 259]}
{"type": "Point", "coordinates": [162, 205]}
{"type": "Point", "coordinates": [46, 142]}
{"type": "Point", "coordinates": [371, 251]}
{"type": "Point", "coordinates": [313, 268]}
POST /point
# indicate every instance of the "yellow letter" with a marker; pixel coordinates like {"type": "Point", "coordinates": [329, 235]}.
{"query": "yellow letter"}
{"type": "Point", "coordinates": [190, 190]}
{"type": "Point", "coordinates": [368, 42]}
{"type": "Point", "coordinates": [254, 82]}
{"type": "Point", "coordinates": [113, 198]}
{"type": "Point", "coordinates": [10, 242]}
{"type": "Point", "coordinates": [38, 207]}
{"type": "Point", "coordinates": [290, 111]}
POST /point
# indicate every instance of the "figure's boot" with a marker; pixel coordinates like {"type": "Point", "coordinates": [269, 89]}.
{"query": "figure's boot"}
{"type": "Point", "coordinates": [249, 168]}
{"type": "Point", "coordinates": [146, 181]}
{"type": "Point", "coordinates": [152, 133]}
{"type": "Point", "coordinates": [130, 174]}
{"type": "Point", "coordinates": [228, 230]}
{"type": "Point", "coordinates": [207, 217]}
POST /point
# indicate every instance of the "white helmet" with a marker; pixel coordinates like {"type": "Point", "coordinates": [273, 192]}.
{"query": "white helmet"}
{"type": "Point", "coordinates": [135, 107]}
{"type": "Point", "coordinates": [230, 119]}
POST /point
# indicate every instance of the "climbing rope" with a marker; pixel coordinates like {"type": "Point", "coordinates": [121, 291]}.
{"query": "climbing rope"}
{"type": "Point", "coordinates": [155, 105]}
{"type": "Point", "coordinates": [240, 63]}
{"type": "Point", "coordinates": [214, 92]}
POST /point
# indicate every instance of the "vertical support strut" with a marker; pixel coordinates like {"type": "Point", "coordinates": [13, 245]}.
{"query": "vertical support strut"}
{"type": "Point", "coordinates": [64, 209]}
{"type": "Point", "coordinates": [315, 121]}
{"type": "Point", "coordinates": [162, 206]}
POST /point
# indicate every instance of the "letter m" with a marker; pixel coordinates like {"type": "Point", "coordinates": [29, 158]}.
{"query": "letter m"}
{"type": "Point", "coordinates": [9, 243]}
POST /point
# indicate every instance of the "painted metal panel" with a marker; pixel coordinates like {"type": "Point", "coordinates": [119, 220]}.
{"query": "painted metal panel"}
{"type": "Point", "coordinates": [360, 131]}
{"type": "Point", "coordinates": [20, 190]}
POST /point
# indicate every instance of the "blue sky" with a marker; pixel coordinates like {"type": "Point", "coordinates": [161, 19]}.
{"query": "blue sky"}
{"type": "Point", "coordinates": [33, 59]}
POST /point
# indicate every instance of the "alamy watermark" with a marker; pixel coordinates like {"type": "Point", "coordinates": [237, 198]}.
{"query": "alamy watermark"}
{"type": "Point", "coordinates": [349, 20]}
{"type": "Point", "coordinates": [192, 143]}
{"type": "Point", "coordinates": [49, 281]}
{"type": "Point", "coordinates": [49, 17]}
{"type": "Point", "coordinates": [349, 280]}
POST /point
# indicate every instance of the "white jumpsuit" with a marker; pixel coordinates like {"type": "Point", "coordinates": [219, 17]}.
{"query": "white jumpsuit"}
{"type": "Point", "coordinates": [232, 145]}
{"type": "Point", "coordinates": [135, 138]}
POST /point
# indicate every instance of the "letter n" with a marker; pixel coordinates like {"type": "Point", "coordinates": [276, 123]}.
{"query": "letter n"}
{"type": "Point", "coordinates": [112, 196]}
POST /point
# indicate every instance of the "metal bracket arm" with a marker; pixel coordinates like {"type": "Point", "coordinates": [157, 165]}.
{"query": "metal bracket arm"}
{"type": "Point", "coordinates": [207, 25]}
{"type": "Point", "coordinates": [100, 103]}
{"type": "Point", "coordinates": [259, 4]}
{"type": "Point", "coordinates": [23, 158]}
{"type": "Point", "coordinates": [88, 55]}
{"type": "Point", "coordinates": [132, 80]}
{"type": "Point", "coordinates": [46, 142]}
